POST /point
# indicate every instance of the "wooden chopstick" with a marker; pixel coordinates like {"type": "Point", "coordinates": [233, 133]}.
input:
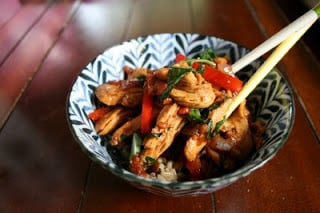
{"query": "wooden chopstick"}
{"type": "Point", "coordinates": [266, 67]}
{"type": "Point", "coordinates": [308, 18]}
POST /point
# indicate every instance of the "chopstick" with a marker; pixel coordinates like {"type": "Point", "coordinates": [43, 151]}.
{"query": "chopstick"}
{"type": "Point", "coordinates": [308, 18]}
{"type": "Point", "coordinates": [268, 65]}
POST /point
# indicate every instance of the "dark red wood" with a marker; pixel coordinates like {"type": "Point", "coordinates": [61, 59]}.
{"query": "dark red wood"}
{"type": "Point", "coordinates": [17, 71]}
{"type": "Point", "coordinates": [8, 9]}
{"type": "Point", "coordinates": [42, 168]}
{"type": "Point", "coordinates": [17, 28]}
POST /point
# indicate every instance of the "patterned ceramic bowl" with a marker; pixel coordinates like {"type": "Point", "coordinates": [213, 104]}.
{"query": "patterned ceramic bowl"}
{"type": "Point", "coordinates": [271, 102]}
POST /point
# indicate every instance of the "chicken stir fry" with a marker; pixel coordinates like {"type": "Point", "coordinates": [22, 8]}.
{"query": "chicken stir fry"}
{"type": "Point", "coordinates": [176, 114]}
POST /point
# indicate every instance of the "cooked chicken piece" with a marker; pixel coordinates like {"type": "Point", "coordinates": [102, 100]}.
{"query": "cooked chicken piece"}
{"type": "Point", "coordinates": [162, 73]}
{"type": "Point", "coordinates": [125, 92]}
{"type": "Point", "coordinates": [201, 97]}
{"type": "Point", "coordinates": [197, 140]}
{"type": "Point", "coordinates": [131, 126]}
{"type": "Point", "coordinates": [223, 64]}
{"type": "Point", "coordinates": [168, 125]}
{"type": "Point", "coordinates": [112, 119]}
{"type": "Point", "coordinates": [234, 143]}
{"type": "Point", "coordinates": [135, 73]}
{"type": "Point", "coordinates": [193, 91]}
{"type": "Point", "coordinates": [126, 129]}
{"type": "Point", "coordinates": [156, 85]}
{"type": "Point", "coordinates": [194, 146]}
{"type": "Point", "coordinates": [189, 81]}
{"type": "Point", "coordinates": [218, 114]}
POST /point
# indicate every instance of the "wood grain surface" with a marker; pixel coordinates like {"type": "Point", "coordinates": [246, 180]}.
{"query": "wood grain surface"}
{"type": "Point", "coordinates": [43, 47]}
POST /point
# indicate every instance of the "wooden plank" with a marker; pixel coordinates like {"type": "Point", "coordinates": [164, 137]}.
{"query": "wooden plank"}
{"type": "Point", "coordinates": [42, 168]}
{"type": "Point", "coordinates": [151, 17]}
{"type": "Point", "coordinates": [84, 38]}
{"type": "Point", "coordinates": [107, 192]}
{"type": "Point", "coordinates": [16, 29]}
{"type": "Point", "coordinates": [25, 59]}
{"type": "Point", "coordinates": [216, 19]}
{"type": "Point", "coordinates": [8, 8]}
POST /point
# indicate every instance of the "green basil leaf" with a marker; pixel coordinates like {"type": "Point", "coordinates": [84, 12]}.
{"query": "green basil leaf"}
{"type": "Point", "coordinates": [195, 115]}
{"type": "Point", "coordinates": [149, 161]}
{"type": "Point", "coordinates": [141, 77]}
{"type": "Point", "coordinates": [209, 126]}
{"type": "Point", "coordinates": [217, 127]}
{"type": "Point", "coordinates": [208, 54]}
{"type": "Point", "coordinates": [175, 74]}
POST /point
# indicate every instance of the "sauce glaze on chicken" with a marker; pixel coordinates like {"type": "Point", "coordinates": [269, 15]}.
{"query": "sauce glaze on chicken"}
{"type": "Point", "coordinates": [175, 117]}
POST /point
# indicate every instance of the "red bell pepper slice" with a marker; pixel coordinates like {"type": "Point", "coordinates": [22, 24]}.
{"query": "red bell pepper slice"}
{"type": "Point", "coordinates": [97, 114]}
{"type": "Point", "coordinates": [146, 113]}
{"type": "Point", "coordinates": [221, 79]}
{"type": "Point", "coordinates": [180, 57]}
{"type": "Point", "coordinates": [195, 65]}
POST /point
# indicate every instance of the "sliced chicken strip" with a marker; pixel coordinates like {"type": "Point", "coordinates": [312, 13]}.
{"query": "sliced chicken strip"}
{"type": "Point", "coordinates": [198, 141]}
{"type": "Point", "coordinates": [168, 125]}
{"type": "Point", "coordinates": [125, 92]}
{"type": "Point", "coordinates": [202, 96]}
{"type": "Point", "coordinates": [236, 142]}
{"type": "Point", "coordinates": [130, 127]}
{"type": "Point", "coordinates": [126, 129]}
{"type": "Point", "coordinates": [193, 91]}
{"type": "Point", "coordinates": [112, 119]}
{"type": "Point", "coordinates": [135, 73]}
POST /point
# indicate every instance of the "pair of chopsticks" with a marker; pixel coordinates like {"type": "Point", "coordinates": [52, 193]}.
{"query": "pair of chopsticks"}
{"type": "Point", "coordinates": [285, 38]}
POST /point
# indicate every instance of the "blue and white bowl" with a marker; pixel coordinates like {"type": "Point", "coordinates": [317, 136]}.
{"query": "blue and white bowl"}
{"type": "Point", "coordinates": [271, 102]}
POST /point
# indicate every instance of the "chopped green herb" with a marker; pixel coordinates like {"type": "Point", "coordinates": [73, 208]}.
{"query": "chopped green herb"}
{"type": "Point", "coordinates": [136, 145]}
{"type": "Point", "coordinates": [149, 161]}
{"type": "Point", "coordinates": [175, 74]}
{"type": "Point", "coordinates": [208, 54]}
{"type": "Point", "coordinates": [215, 105]}
{"type": "Point", "coordinates": [141, 77]}
{"type": "Point", "coordinates": [200, 69]}
{"type": "Point", "coordinates": [213, 133]}
{"type": "Point", "coordinates": [195, 115]}
{"type": "Point", "coordinates": [218, 125]}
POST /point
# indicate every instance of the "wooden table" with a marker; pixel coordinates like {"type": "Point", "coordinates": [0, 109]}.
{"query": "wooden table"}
{"type": "Point", "coordinates": [43, 47]}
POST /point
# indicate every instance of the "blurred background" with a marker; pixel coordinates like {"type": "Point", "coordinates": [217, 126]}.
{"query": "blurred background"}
{"type": "Point", "coordinates": [291, 9]}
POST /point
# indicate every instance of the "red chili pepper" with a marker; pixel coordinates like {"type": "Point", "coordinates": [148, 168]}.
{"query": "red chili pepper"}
{"type": "Point", "coordinates": [221, 79]}
{"type": "Point", "coordinates": [97, 114]}
{"type": "Point", "coordinates": [195, 65]}
{"type": "Point", "coordinates": [180, 57]}
{"type": "Point", "coordinates": [146, 114]}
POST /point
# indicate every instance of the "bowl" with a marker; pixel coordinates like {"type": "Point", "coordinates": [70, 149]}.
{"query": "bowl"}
{"type": "Point", "coordinates": [271, 102]}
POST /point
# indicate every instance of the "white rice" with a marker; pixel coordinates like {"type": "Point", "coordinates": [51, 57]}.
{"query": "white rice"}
{"type": "Point", "coordinates": [167, 172]}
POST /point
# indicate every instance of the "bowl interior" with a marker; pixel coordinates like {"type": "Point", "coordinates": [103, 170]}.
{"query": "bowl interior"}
{"type": "Point", "coordinates": [271, 102]}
